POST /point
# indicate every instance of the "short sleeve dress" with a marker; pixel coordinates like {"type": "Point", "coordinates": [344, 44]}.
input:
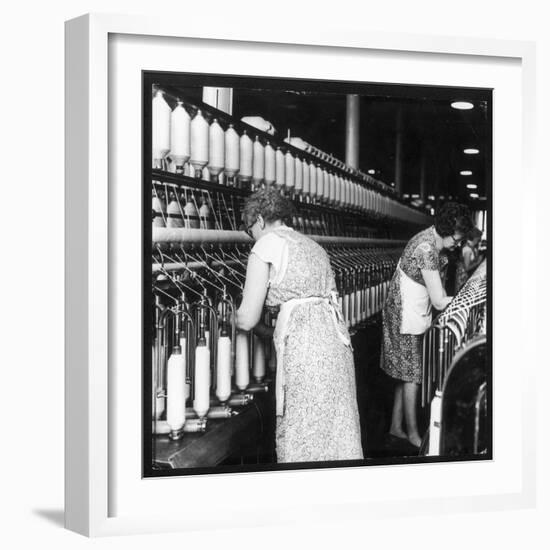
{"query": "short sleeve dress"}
{"type": "Point", "coordinates": [402, 353]}
{"type": "Point", "coordinates": [320, 421]}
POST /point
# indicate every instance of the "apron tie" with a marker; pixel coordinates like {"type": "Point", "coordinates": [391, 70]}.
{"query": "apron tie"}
{"type": "Point", "coordinates": [281, 330]}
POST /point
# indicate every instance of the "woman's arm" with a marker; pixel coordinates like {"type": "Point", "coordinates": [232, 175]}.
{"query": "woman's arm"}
{"type": "Point", "coordinates": [255, 290]}
{"type": "Point", "coordinates": [437, 294]}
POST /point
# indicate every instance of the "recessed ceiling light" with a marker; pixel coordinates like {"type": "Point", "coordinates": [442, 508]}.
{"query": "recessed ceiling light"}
{"type": "Point", "coordinates": [471, 186]}
{"type": "Point", "coordinates": [466, 172]}
{"type": "Point", "coordinates": [405, 196]}
{"type": "Point", "coordinates": [431, 197]}
{"type": "Point", "coordinates": [371, 171]}
{"type": "Point", "coordinates": [474, 195]}
{"type": "Point", "coordinates": [415, 196]}
{"type": "Point", "coordinates": [471, 151]}
{"type": "Point", "coordinates": [462, 105]}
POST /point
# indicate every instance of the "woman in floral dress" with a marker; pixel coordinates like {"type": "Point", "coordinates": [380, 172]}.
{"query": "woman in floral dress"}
{"type": "Point", "coordinates": [416, 286]}
{"type": "Point", "coordinates": [317, 416]}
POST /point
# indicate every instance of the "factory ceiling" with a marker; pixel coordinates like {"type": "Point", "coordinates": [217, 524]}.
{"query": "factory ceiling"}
{"type": "Point", "coordinates": [431, 129]}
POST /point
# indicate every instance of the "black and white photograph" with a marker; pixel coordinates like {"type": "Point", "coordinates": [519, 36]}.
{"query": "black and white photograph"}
{"type": "Point", "coordinates": [316, 274]}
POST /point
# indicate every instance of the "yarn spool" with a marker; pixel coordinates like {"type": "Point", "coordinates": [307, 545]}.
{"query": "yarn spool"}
{"type": "Point", "coordinates": [305, 178]}
{"type": "Point", "coordinates": [205, 221]}
{"type": "Point", "coordinates": [332, 189]}
{"type": "Point", "coordinates": [200, 136]}
{"type": "Point", "coordinates": [180, 137]}
{"type": "Point", "coordinates": [161, 128]}
{"type": "Point", "coordinates": [326, 186]}
{"type": "Point", "coordinates": [216, 149]}
{"type": "Point", "coordinates": [312, 180]}
{"type": "Point", "coordinates": [258, 369]}
{"type": "Point", "coordinates": [190, 215]}
{"type": "Point", "coordinates": [242, 374]}
{"type": "Point", "coordinates": [258, 162]}
{"type": "Point", "coordinates": [201, 402]}
{"type": "Point", "coordinates": [245, 158]}
{"type": "Point", "coordinates": [345, 309]}
{"type": "Point", "coordinates": [223, 374]}
{"type": "Point", "coordinates": [358, 312]}
{"type": "Point", "coordinates": [320, 183]}
{"type": "Point", "coordinates": [280, 165]}
{"type": "Point", "coordinates": [175, 390]}
{"type": "Point", "coordinates": [174, 216]}
{"type": "Point", "coordinates": [289, 170]}
{"type": "Point", "coordinates": [269, 165]}
{"type": "Point", "coordinates": [298, 175]}
{"type": "Point", "coordinates": [159, 211]}
{"type": "Point", "coordinates": [232, 152]}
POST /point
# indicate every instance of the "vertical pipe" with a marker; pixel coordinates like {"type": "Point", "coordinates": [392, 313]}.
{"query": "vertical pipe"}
{"type": "Point", "coordinates": [399, 150]}
{"type": "Point", "coordinates": [352, 130]}
{"type": "Point", "coordinates": [423, 191]}
{"type": "Point", "coordinates": [220, 98]}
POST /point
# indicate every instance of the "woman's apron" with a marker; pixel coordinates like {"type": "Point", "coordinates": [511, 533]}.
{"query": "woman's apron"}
{"type": "Point", "coordinates": [281, 332]}
{"type": "Point", "coordinates": [416, 307]}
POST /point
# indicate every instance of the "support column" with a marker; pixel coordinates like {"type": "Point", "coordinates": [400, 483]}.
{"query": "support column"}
{"type": "Point", "coordinates": [220, 98]}
{"type": "Point", "coordinates": [352, 130]}
{"type": "Point", "coordinates": [399, 150]}
{"type": "Point", "coordinates": [423, 191]}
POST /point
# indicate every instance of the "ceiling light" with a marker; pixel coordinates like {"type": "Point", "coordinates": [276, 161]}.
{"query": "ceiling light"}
{"type": "Point", "coordinates": [431, 197]}
{"type": "Point", "coordinates": [471, 186]}
{"type": "Point", "coordinates": [466, 172]}
{"type": "Point", "coordinates": [462, 105]}
{"type": "Point", "coordinates": [371, 171]}
{"type": "Point", "coordinates": [474, 195]}
{"type": "Point", "coordinates": [405, 196]}
{"type": "Point", "coordinates": [415, 196]}
{"type": "Point", "coordinates": [471, 151]}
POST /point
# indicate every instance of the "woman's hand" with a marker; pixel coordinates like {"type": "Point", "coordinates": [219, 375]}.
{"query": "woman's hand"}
{"type": "Point", "coordinates": [263, 331]}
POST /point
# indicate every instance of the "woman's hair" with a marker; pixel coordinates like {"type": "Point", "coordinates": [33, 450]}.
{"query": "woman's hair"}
{"type": "Point", "coordinates": [270, 204]}
{"type": "Point", "coordinates": [474, 234]}
{"type": "Point", "coordinates": [453, 218]}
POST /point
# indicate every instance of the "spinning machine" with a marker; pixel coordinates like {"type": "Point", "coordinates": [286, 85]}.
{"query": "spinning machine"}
{"type": "Point", "coordinates": [212, 398]}
{"type": "Point", "coordinates": [455, 372]}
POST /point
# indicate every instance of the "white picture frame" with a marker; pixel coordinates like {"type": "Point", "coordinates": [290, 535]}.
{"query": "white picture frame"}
{"type": "Point", "coordinates": [92, 442]}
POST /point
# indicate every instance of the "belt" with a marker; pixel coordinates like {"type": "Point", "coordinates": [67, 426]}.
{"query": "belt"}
{"type": "Point", "coordinates": [281, 329]}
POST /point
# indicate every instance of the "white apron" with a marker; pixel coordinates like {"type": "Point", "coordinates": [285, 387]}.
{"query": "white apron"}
{"type": "Point", "coordinates": [416, 307]}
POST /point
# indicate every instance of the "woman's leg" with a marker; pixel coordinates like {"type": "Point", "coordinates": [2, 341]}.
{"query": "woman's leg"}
{"type": "Point", "coordinates": [396, 427]}
{"type": "Point", "coordinates": [410, 392]}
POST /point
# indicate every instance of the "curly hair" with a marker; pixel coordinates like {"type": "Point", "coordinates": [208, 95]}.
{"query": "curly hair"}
{"type": "Point", "coordinates": [270, 204]}
{"type": "Point", "coordinates": [453, 218]}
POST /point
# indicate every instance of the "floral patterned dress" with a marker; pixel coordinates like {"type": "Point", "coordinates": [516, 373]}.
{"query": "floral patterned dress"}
{"type": "Point", "coordinates": [320, 420]}
{"type": "Point", "coordinates": [402, 353]}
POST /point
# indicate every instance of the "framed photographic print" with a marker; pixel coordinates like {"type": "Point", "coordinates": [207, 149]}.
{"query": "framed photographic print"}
{"type": "Point", "coordinates": [281, 262]}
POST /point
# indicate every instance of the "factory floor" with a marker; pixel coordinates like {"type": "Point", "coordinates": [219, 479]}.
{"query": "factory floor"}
{"type": "Point", "coordinates": [375, 398]}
